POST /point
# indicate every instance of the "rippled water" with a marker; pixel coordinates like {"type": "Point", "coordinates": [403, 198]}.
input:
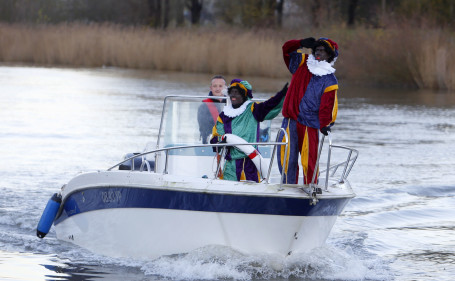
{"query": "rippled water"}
{"type": "Point", "coordinates": [55, 123]}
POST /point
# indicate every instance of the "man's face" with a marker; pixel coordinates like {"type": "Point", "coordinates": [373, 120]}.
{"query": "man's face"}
{"type": "Point", "coordinates": [236, 97]}
{"type": "Point", "coordinates": [217, 86]}
{"type": "Point", "coordinates": [320, 54]}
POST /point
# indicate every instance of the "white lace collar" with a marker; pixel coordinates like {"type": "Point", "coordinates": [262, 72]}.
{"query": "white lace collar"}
{"type": "Point", "coordinates": [229, 111]}
{"type": "Point", "coordinates": [320, 68]}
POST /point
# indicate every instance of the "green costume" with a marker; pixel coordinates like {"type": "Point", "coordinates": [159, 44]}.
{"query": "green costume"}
{"type": "Point", "coordinates": [244, 122]}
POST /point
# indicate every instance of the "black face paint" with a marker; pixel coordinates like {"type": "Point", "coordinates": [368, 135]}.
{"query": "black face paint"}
{"type": "Point", "coordinates": [237, 97]}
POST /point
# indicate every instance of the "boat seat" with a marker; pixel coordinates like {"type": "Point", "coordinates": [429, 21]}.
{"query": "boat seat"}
{"type": "Point", "coordinates": [137, 163]}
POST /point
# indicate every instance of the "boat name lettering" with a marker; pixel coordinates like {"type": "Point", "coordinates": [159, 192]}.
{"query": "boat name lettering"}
{"type": "Point", "coordinates": [111, 196]}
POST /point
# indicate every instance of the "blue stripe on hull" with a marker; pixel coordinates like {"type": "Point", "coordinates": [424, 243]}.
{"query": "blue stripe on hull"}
{"type": "Point", "coordinates": [129, 197]}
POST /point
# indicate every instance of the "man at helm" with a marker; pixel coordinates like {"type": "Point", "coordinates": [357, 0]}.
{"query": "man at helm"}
{"type": "Point", "coordinates": [241, 117]}
{"type": "Point", "coordinates": [211, 107]}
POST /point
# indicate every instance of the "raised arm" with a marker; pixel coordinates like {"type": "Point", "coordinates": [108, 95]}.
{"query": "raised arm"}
{"type": "Point", "coordinates": [290, 54]}
{"type": "Point", "coordinates": [270, 108]}
{"type": "Point", "coordinates": [289, 47]}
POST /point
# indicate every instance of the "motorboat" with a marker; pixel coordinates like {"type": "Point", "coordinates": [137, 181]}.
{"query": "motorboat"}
{"type": "Point", "coordinates": [169, 199]}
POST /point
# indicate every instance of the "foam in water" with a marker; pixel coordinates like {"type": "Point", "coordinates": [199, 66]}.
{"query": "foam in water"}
{"type": "Point", "coordinates": [217, 262]}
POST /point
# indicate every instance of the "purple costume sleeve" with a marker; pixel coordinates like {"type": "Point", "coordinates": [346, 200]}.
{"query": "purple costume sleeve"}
{"type": "Point", "coordinates": [261, 110]}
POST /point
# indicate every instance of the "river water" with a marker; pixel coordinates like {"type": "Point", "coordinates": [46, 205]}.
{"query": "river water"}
{"type": "Point", "coordinates": [56, 123]}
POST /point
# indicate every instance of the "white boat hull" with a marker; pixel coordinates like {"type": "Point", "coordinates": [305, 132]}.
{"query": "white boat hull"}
{"type": "Point", "coordinates": [115, 233]}
{"type": "Point", "coordinates": [131, 214]}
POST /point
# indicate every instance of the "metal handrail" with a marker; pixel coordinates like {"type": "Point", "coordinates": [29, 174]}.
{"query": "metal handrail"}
{"type": "Point", "coordinates": [348, 163]}
{"type": "Point", "coordinates": [329, 154]}
{"type": "Point", "coordinates": [316, 168]}
{"type": "Point", "coordinates": [167, 149]}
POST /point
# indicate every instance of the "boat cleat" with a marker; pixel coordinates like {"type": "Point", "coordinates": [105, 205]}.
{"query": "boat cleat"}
{"type": "Point", "coordinates": [314, 200]}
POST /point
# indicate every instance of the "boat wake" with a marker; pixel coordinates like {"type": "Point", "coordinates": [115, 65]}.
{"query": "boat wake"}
{"type": "Point", "coordinates": [342, 258]}
{"type": "Point", "coordinates": [220, 262]}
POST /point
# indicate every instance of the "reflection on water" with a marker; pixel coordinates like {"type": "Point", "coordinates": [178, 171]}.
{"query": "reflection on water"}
{"type": "Point", "coordinates": [56, 123]}
{"type": "Point", "coordinates": [28, 266]}
{"type": "Point", "coordinates": [81, 272]}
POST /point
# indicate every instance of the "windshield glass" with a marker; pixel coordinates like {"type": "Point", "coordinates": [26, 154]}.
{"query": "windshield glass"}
{"type": "Point", "coordinates": [189, 121]}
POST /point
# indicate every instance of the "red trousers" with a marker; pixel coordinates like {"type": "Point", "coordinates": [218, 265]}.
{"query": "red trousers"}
{"type": "Point", "coordinates": [303, 142]}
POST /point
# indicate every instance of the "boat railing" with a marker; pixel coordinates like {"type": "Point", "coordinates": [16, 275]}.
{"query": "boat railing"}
{"type": "Point", "coordinates": [167, 150]}
{"type": "Point", "coordinates": [347, 164]}
{"type": "Point", "coordinates": [330, 171]}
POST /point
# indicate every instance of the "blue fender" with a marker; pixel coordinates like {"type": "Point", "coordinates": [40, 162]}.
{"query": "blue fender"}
{"type": "Point", "coordinates": [48, 216]}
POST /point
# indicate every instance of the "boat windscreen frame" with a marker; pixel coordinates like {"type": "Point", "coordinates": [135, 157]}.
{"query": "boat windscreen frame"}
{"type": "Point", "coordinates": [167, 99]}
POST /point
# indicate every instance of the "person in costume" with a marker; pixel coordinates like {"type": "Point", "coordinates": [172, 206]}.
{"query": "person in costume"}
{"type": "Point", "coordinates": [210, 109]}
{"type": "Point", "coordinates": [310, 106]}
{"type": "Point", "coordinates": [241, 117]}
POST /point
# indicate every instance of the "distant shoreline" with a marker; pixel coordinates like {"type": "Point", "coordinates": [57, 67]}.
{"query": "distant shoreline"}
{"type": "Point", "coordinates": [403, 56]}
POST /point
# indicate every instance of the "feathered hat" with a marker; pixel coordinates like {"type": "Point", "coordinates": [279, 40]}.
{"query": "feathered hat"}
{"type": "Point", "coordinates": [331, 47]}
{"type": "Point", "coordinates": [243, 86]}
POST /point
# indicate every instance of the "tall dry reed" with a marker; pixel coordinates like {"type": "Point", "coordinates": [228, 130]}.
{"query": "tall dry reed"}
{"type": "Point", "coordinates": [227, 52]}
{"type": "Point", "coordinates": [434, 66]}
{"type": "Point", "coordinates": [393, 56]}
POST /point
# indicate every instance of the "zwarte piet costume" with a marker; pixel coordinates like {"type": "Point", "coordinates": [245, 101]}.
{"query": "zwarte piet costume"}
{"type": "Point", "coordinates": [310, 105]}
{"type": "Point", "coordinates": [244, 122]}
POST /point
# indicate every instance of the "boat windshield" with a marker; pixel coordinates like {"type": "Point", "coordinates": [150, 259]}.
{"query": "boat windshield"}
{"type": "Point", "coordinates": [188, 120]}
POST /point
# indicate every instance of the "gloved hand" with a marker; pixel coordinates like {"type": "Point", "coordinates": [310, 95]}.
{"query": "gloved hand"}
{"type": "Point", "coordinates": [308, 42]}
{"type": "Point", "coordinates": [285, 88]}
{"type": "Point", "coordinates": [223, 140]}
{"type": "Point", "coordinates": [325, 130]}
